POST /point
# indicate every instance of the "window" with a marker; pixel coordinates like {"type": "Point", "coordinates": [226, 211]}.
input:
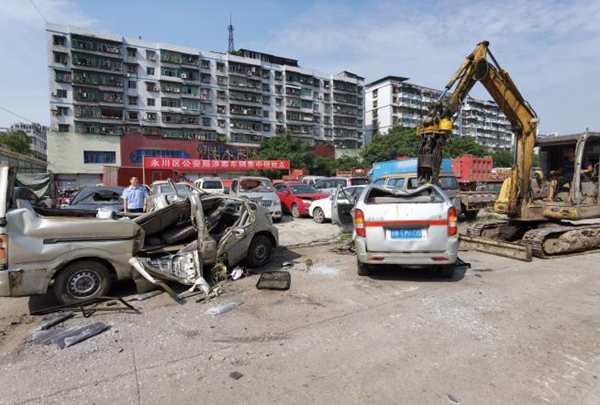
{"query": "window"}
{"type": "Point", "coordinates": [150, 71]}
{"type": "Point", "coordinates": [131, 52]}
{"type": "Point", "coordinates": [133, 115]}
{"type": "Point", "coordinates": [150, 102]}
{"type": "Point", "coordinates": [132, 69]}
{"type": "Point", "coordinates": [220, 66]}
{"type": "Point", "coordinates": [99, 157]}
{"type": "Point", "coordinates": [61, 93]}
{"type": "Point", "coordinates": [133, 100]}
{"type": "Point", "coordinates": [205, 64]}
{"type": "Point", "coordinates": [63, 111]}
{"type": "Point", "coordinates": [151, 86]}
{"type": "Point", "coordinates": [221, 123]}
{"type": "Point", "coordinates": [131, 84]}
{"type": "Point", "coordinates": [206, 122]}
{"type": "Point", "coordinates": [59, 40]}
{"type": "Point", "coordinates": [266, 87]}
{"type": "Point", "coordinates": [61, 58]}
{"type": "Point", "coordinates": [63, 127]}
{"type": "Point", "coordinates": [151, 116]}
{"type": "Point", "coordinates": [151, 55]}
{"type": "Point", "coordinates": [266, 114]}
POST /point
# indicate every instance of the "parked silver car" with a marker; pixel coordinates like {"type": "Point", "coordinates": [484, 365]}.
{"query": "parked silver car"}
{"type": "Point", "coordinates": [412, 228]}
{"type": "Point", "coordinates": [329, 185]}
{"type": "Point", "coordinates": [81, 254]}
{"type": "Point", "coordinates": [260, 190]}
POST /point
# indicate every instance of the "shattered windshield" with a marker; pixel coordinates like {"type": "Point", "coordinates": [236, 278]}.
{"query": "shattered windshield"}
{"type": "Point", "coordinates": [256, 186]}
{"type": "Point", "coordinates": [212, 185]}
{"type": "Point", "coordinates": [183, 190]}
{"type": "Point", "coordinates": [98, 196]}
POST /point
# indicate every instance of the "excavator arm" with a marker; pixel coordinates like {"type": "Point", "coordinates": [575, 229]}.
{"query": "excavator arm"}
{"type": "Point", "coordinates": [437, 125]}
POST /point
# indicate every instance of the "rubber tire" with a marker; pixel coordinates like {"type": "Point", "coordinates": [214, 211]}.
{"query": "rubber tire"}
{"type": "Point", "coordinates": [61, 290]}
{"type": "Point", "coordinates": [471, 215]}
{"type": "Point", "coordinates": [363, 269]}
{"type": "Point", "coordinates": [446, 271]}
{"type": "Point", "coordinates": [252, 260]}
{"type": "Point", "coordinates": [319, 219]}
{"type": "Point", "coordinates": [295, 211]}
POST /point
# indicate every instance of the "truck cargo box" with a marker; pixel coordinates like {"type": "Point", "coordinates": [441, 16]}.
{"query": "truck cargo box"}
{"type": "Point", "coordinates": [469, 169]}
{"type": "Point", "coordinates": [401, 166]}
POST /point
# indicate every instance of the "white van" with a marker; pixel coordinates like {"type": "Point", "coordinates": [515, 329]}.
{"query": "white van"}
{"type": "Point", "coordinates": [212, 185]}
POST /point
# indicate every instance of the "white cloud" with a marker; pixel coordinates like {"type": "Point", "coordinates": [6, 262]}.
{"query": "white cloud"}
{"type": "Point", "coordinates": [548, 47]}
{"type": "Point", "coordinates": [23, 71]}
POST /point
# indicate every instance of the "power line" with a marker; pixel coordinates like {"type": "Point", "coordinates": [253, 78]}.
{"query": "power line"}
{"type": "Point", "coordinates": [17, 115]}
{"type": "Point", "coordinates": [38, 10]}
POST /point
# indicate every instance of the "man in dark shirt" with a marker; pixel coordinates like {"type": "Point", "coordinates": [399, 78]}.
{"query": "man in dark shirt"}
{"type": "Point", "coordinates": [564, 175]}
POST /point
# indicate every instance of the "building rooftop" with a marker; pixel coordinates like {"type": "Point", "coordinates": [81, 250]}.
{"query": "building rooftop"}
{"type": "Point", "coordinates": [266, 57]}
{"type": "Point", "coordinates": [383, 79]}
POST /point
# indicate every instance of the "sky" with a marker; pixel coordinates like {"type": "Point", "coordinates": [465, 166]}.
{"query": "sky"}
{"type": "Point", "coordinates": [550, 48]}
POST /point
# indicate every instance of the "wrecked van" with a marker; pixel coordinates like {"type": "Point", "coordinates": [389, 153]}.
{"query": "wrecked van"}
{"type": "Point", "coordinates": [80, 254]}
{"type": "Point", "coordinates": [411, 228]}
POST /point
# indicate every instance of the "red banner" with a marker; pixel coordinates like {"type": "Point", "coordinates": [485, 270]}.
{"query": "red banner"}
{"type": "Point", "coordinates": [214, 165]}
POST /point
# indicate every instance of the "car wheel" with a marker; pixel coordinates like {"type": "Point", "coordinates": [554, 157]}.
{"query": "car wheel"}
{"type": "Point", "coordinates": [295, 211]}
{"type": "Point", "coordinates": [259, 252]}
{"type": "Point", "coordinates": [82, 280]}
{"type": "Point", "coordinates": [318, 215]}
{"type": "Point", "coordinates": [363, 269]}
{"type": "Point", "coordinates": [446, 271]}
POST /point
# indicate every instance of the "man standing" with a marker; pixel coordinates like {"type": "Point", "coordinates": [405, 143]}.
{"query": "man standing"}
{"type": "Point", "coordinates": [134, 197]}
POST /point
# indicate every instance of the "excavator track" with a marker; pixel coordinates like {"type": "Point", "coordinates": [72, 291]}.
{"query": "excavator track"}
{"type": "Point", "coordinates": [563, 240]}
{"type": "Point", "coordinates": [479, 228]}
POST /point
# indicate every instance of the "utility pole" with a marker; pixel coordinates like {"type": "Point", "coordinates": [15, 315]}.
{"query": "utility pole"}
{"type": "Point", "coordinates": [230, 29]}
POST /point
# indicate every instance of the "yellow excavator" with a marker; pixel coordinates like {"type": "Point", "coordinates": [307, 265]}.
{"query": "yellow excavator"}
{"type": "Point", "coordinates": [543, 220]}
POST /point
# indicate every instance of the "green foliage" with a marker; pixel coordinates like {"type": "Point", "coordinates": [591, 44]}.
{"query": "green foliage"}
{"type": "Point", "coordinates": [285, 147]}
{"type": "Point", "coordinates": [461, 145]}
{"type": "Point", "coordinates": [397, 142]}
{"type": "Point", "coordinates": [347, 163]}
{"type": "Point", "coordinates": [17, 141]}
{"type": "Point", "coordinates": [502, 158]}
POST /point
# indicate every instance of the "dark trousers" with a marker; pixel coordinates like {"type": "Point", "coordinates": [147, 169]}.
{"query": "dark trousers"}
{"type": "Point", "coordinates": [135, 210]}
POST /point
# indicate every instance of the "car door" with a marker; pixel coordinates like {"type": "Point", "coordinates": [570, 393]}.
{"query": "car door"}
{"type": "Point", "coordinates": [284, 195]}
{"type": "Point", "coordinates": [341, 210]}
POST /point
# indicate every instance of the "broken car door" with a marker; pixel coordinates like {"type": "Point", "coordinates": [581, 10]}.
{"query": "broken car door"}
{"type": "Point", "coordinates": [341, 210]}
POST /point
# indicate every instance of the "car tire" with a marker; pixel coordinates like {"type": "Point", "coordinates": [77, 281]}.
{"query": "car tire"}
{"type": "Point", "coordinates": [295, 211]}
{"type": "Point", "coordinates": [318, 215]}
{"type": "Point", "coordinates": [259, 252]}
{"type": "Point", "coordinates": [82, 280]}
{"type": "Point", "coordinates": [446, 271]}
{"type": "Point", "coordinates": [363, 269]}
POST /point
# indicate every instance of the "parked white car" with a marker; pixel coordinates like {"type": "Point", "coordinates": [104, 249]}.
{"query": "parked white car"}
{"type": "Point", "coordinates": [320, 210]}
{"type": "Point", "coordinates": [311, 180]}
{"type": "Point", "coordinates": [260, 190]}
{"type": "Point", "coordinates": [411, 228]}
{"type": "Point", "coordinates": [212, 185]}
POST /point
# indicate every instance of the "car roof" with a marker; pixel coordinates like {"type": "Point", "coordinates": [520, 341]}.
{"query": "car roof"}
{"type": "Point", "coordinates": [412, 174]}
{"type": "Point", "coordinates": [210, 178]}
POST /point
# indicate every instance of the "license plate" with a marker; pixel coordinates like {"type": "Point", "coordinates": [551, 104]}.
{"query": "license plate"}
{"type": "Point", "coordinates": [406, 233]}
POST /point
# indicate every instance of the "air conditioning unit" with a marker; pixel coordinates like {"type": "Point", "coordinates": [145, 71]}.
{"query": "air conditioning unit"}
{"type": "Point", "coordinates": [203, 138]}
{"type": "Point", "coordinates": [184, 76]}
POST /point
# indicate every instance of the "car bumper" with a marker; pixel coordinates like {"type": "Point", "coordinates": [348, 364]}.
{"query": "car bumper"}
{"type": "Point", "coordinates": [448, 256]}
{"type": "Point", "coordinates": [19, 283]}
{"type": "Point", "coordinates": [276, 214]}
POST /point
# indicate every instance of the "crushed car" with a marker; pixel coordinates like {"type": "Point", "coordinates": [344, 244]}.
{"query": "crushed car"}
{"type": "Point", "coordinates": [260, 190]}
{"type": "Point", "coordinates": [391, 226]}
{"type": "Point", "coordinates": [81, 252]}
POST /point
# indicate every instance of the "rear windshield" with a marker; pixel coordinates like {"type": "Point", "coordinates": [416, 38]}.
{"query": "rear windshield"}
{"type": "Point", "coordinates": [212, 184]}
{"type": "Point", "coordinates": [425, 196]}
{"type": "Point", "coordinates": [446, 183]}
{"type": "Point", "coordinates": [359, 182]}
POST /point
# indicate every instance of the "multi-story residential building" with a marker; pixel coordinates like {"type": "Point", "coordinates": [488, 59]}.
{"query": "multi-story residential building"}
{"type": "Point", "coordinates": [37, 134]}
{"type": "Point", "coordinates": [106, 85]}
{"type": "Point", "coordinates": [392, 101]}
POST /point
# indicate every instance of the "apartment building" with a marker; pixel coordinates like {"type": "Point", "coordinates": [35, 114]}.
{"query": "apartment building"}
{"type": "Point", "coordinates": [393, 101]}
{"type": "Point", "coordinates": [38, 136]}
{"type": "Point", "coordinates": [106, 85]}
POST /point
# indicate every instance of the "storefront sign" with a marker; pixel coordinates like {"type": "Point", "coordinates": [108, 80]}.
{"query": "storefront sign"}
{"type": "Point", "coordinates": [214, 165]}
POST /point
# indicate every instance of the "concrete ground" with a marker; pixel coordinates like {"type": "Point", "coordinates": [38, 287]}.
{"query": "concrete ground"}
{"type": "Point", "coordinates": [501, 332]}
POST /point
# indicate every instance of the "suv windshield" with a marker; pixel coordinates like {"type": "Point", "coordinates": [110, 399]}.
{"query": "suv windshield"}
{"type": "Point", "coordinates": [255, 186]}
{"type": "Point", "coordinates": [359, 182]}
{"type": "Point", "coordinates": [212, 184]}
{"type": "Point", "coordinates": [303, 189]}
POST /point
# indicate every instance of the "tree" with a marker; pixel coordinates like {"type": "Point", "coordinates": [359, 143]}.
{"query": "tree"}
{"type": "Point", "coordinates": [461, 145]}
{"type": "Point", "coordinates": [347, 163]}
{"type": "Point", "coordinates": [502, 158]}
{"type": "Point", "coordinates": [285, 147]}
{"type": "Point", "coordinates": [397, 142]}
{"type": "Point", "coordinates": [17, 141]}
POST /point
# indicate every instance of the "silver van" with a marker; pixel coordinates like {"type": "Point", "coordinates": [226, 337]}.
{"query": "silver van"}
{"type": "Point", "coordinates": [330, 185]}
{"type": "Point", "coordinates": [260, 190]}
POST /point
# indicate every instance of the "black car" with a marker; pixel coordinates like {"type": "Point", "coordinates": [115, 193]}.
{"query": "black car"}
{"type": "Point", "coordinates": [91, 198]}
